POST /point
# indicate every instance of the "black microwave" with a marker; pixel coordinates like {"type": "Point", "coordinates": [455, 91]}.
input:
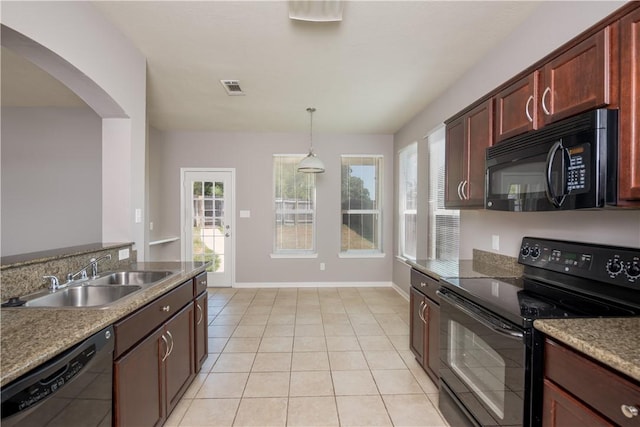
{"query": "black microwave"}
{"type": "Point", "coordinates": [571, 164]}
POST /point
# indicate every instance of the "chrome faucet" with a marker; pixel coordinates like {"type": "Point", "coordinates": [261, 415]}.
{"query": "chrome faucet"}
{"type": "Point", "coordinates": [54, 284]}
{"type": "Point", "coordinates": [93, 262]}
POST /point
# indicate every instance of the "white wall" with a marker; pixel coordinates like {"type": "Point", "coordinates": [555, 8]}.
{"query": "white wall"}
{"type": "Point", "coordinates": [251, 154]}
{"type": "Point", "coordinates": [78, 37]}
{"type": "Point", "coordinates": [550, 25]}
{"type": "Point", "coordinates": [51, 178]}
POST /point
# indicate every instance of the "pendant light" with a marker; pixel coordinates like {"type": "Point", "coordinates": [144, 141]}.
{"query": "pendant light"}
{"type": "Point", "coordinates": [311, 164]}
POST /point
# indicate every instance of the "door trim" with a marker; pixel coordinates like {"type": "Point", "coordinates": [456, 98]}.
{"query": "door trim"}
{"type": "Point", "coordinates": [183, 214]}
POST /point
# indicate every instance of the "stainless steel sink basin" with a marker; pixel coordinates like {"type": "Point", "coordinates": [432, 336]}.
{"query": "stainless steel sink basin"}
{"type": "Point", "coordinates": [131, 277]}
{"type": "Point", "coordinates": [83, 296]}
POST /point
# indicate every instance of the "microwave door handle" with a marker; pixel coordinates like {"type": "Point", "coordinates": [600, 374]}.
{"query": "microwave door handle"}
{"type": "Point", "coordinates": [553, 199]}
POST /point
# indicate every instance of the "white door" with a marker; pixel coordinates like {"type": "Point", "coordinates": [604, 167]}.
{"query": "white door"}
{"type": "Point", "coordinates": [207, 221]}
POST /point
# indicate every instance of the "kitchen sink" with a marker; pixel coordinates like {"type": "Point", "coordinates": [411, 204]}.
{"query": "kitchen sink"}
{"type": "Point", "coordinates": [131, 277]}
{"type": "Point", "coordinates": [83, 296]}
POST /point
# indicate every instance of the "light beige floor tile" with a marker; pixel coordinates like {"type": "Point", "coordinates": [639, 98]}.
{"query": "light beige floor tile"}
{"type": "Point", "coordinates": [258, 309]}
{"type": "Point", "coordinates": [208, 362]}
{"type": "Point", "coordinates": [347, 361]}
{"type": "Point", "coordinates": [368, 329]}
{"type": "Point", "coordinates": [400, 342]}
{"type": "Point", "coordinates": [312, 411]}
{"type": "Point", "coordinates": [242, 345]}
{"type": "Point", "coordinates": [384, 360]}
{"type": "Point", "coordinates": [234, 362]}
{"type": "Point", "coordinates": [353, 383]}
{"type": "Point", "coordinates": [228, 319]}
{"type": "Point", "coordinates": [399, 328]}
{"type": "Point", "coordinates": [272, 362]}
{"type": "Point", "coordinates": [310, 361]}
{"type": "Point", "coordinates": [380, 308]}
{"type": "Point", "coordinates": [195, 386]}
{"type": "Point", "coordinates": [210, 412]}
{"type": "Point", "coordinates": [262, 412]}
{"type": "Point", "coordinates": [311, 383]}
{"type": "Point", "coordinates": [221, 331]}
{"type": "Point", "coordinates": [248, 331]}
{"type": "Point", "coordinates": [309, 330]}
{"type": "Point", "coordinates": [307, 318]}
{"type": "Point", "coordinates": [309, 344]}
{"type": "Point", "coordinates": [362, 411]}
{"type": "Point", "coordinates": [279, 331]}
{"type": "Point", "coordinates": [281, 319]}
{"type": "Point", "coordinates": [357, 309]}
{"type": "Point", "coordinates": [267, 384]}
{"type": "Point", "coordinates": [254, 319]}
{"type": "Point", "coordinates": [221, 385]}
{"type": "Point", "coordinates": [178, 412]}
{"type": "Point", "coordinates": [341, 329]}
{"type": "Point", "coordinates": [276, 345]}
{"type": "Point", "coordinates": [342, 344]}
{"type": "Point", "coordinates": [332, 308]}
{"type": "Point", "coordinates": [412, 410]}
{"type": "Point", "coordinates": [423, 379]}
{"type": "Point", "coordinates": [375, 343]}
{"type": "Point", "coordinates": [216, 345]}
{"type": "Point", "coordinates": [396, 382]}
{"type": "Point", "coordinates": [335, 318]}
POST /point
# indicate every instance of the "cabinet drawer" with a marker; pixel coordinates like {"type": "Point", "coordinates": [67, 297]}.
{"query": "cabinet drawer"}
{"type": "Point", "coordinates": [425, 284]}
{"type": "Point", "coordinates": [136, 326]}
{"type": "Point", "coordinates": [199, 284]}
{"type": "Point", "coordinates": [597, 386]}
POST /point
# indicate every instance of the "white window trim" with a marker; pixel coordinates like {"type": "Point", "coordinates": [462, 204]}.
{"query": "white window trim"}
{"type": "Point", "coordinates": [359, 253]}
{"type": "Point", "coordinates": [413, 147]}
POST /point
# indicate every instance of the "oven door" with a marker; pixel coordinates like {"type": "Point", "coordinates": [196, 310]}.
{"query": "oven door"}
{"type": "Point", "coordinates": [483, 369]}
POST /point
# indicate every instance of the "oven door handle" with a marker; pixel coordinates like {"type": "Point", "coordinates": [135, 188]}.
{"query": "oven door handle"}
{"type": "Point", "coordinates": [484, 319]}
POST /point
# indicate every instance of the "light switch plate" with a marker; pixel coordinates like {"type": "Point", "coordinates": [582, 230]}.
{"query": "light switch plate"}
{"type": "Point", "coordinates": [138, 215]}
{"type": "Point", "coordinates": [495, 242]}
{"type": "Point", "coordinates": [245, 214]}
{"type": "Point", "coordinates": [123, 254]}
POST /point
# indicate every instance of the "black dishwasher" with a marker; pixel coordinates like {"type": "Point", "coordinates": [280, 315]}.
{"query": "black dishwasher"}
{"type": "Point", "coordinates": [72, 389]}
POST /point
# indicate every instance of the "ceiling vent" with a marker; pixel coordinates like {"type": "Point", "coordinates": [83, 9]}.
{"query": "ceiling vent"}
{"type": "Point", "coordinates": [232, 87]}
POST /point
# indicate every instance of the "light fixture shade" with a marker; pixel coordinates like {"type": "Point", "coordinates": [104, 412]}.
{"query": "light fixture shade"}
{"type": "Point", "coordinates": [311, 164]}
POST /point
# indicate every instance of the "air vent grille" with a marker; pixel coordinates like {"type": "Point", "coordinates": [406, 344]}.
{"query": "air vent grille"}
{"type": "Point", "coordinates": [232, 87]}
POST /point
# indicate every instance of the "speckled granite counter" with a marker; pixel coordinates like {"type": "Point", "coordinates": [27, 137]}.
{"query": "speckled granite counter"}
{"type": "Point", "coordinates": [439, 269]}
{"type": "Point", "coordinates": [612, 341]}
{"type": "Point", "coordinates": [31, 336]}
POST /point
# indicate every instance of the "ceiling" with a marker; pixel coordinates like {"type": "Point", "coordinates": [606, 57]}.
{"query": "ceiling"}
{"type": "Point", "coordinates": [370, 73]}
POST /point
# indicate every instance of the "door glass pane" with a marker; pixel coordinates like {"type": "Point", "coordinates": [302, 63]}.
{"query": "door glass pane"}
{"type": "Point", "coordinates": [203, 234]}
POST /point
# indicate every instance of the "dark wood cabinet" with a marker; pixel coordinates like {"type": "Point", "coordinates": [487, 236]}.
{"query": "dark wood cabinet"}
{"type": "Point", "coordinates": [179, 361]}
{"type": "Point", "coordinates": [581, 391]}
{"type": "Point", "coordinates": [201, 330]}
{"type": "Point", "coordinates": [579, 79]}
{"type": "Point", "coordinates": [467, 138]}
{"type": "Point", "coordinates": [629, 156]}
{"type": "Point", "coordinates": [517, 108]}
{"type": "Point", "coordinates": [424, 327]}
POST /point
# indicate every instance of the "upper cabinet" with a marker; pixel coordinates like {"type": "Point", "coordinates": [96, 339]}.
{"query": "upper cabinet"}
{"type": "Point", "coordinates": [517, 108]}
{"type": "Point", "coordinates": [629, 153]}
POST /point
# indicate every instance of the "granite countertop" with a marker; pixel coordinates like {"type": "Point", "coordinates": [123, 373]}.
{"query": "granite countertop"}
{"type": "Point", "coordinates": [13, 261]}
{"type": "Point", "coordinates": [30, 336]}
{"type": "Point", "coordinates": [440, 269]}
{"type": "Point", "coordinates": [612, 341]}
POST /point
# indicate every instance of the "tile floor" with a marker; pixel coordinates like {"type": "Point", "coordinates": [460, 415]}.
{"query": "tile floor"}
{"type": "Point", "coordinates": [309, 357]}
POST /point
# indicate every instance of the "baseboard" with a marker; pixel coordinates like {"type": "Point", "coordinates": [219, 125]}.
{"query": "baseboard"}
{"type": "Point", "coordinates": [313, 285]}
{"type": "Point", "coordinates": [399, 290]}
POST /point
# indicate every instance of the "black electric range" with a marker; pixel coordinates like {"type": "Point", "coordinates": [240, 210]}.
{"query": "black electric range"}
{"type": "Point", "coordinates": [491, 356]}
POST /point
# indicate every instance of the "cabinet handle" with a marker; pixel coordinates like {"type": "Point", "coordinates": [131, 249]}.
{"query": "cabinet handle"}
{"type": "Point", "coordinates": [204, 282]}
{"type": "Point", "coordinates": [422, 284]}
{"type": "Point", "coordinates": [544, 97]}
{"type": "Point", "coordinates": [629, 411]}
{"type": "Point", "coordinates": [201, 314]}
{"type": "Point", "coordinates": [170, 348]}
{"type": "Point", "coordinates": [464, 196]}
{"type": "Point", "coordinates": [420, 311]}
{"type": "Point", "coordinates": [460, 194]}
{"type": "Point", "coordinates": [165, 308]}
{"type": "Point", "coordinates": [166, 343]}
{"type": "Point", "coordinates": [424, 318]}
{"type": "Point", "coordinates": [526, 109]}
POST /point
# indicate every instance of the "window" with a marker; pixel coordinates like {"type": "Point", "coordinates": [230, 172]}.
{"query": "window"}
{"type": "Point", "coordinates": [361, 205]}
{"type": "Point", "coordinates": [444, 224]}
{"type": "Point", "coordinates": [294, 206]}
{"type": "Point", "coordinates": [407, 199]}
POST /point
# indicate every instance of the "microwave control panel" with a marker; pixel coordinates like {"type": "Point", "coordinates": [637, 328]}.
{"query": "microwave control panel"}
{"type": "Point", "coordinates": [578, 169]}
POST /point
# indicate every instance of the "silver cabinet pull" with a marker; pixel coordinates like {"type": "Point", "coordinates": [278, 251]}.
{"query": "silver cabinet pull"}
{"type": "Point", "coordinates": [460, 194]}
{"type": "Point", "coordinates": [420, 310]}
{"type": "Point", "coordinates": [526, 109]}
{"type": "Point", "coordinates": [166, 343]}
{"type": "Point", "coordinates": [170, 348]}
{"type": "Point", "coordinates": [424, 315]}
{"type": "Point", "coordinates": [165, 308]}
{"type": "Point", "coordinates": [201, 314]}
{"type": "Point", "coordinates": [422, 284]}
{"type": "Point", "coordinates": [464, 195]}
{"type": "Point", "coordinates": [629, 411]}
{"type": "Point", "coordinates": [544, 97]}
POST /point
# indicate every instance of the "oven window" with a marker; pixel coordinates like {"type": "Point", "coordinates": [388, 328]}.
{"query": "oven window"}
{"type": "Point", "coordinates": [478, 365]}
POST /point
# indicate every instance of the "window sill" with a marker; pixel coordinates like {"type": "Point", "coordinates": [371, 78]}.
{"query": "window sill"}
{"type": "Point", "coordinates": [361, 255]}
{"type": "Point", "coordinates": [293, 256]}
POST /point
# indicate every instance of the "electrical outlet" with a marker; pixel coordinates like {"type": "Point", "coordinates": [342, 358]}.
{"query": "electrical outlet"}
{"type": "Point", "coordinates": [123, 254]}
{"type": "Point", "coordinates": [322, 266]}
{"type": "Point", "coordinates": [138, 215]}
{"type": "Point", "coordinates": [150, 226]}
{"type": "Point", "coordinates": [495, 242]}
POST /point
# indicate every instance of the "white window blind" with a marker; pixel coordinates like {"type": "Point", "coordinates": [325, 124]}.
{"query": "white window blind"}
{"type": "Point", "coordinates": [294, 206]}
{"type": "Point", "coordinates": [407, 200]}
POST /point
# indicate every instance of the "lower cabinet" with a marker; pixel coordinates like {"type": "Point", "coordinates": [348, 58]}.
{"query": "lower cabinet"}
{"type": "Point", "coordinates": [201, 330]}
{"type": "Point", "coordinates": [424, 335]}
{"type": "Point", "coordinates": [579, 391]}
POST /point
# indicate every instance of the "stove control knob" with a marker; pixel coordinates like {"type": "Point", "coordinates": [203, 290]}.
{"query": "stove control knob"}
{"type": "Point", "coordinates": [614, 267]}
{"type": "Point", "coordinates": [633, 270]}
{"type": "Point", "coordinates": [525, 251]}
{"type": "Point", "coordinates": [535, 253]}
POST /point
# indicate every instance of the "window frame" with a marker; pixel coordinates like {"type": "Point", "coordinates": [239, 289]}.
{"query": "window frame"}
{"type": "Point", "coordinates": [403, 154]}
{"type": "Point", "coordinates": [293, 253]}
{"type": "Point", "coordinates": [365, 253]}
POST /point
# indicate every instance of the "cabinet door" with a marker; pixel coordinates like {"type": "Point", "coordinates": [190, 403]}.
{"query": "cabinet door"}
{"type": "Point", "coordinates": [138, 384]}
{"type": "Point", "coordinates": [629, 156]}
{"type": "Point", "coordinates": [560, 409]}
{"type": "Point", "coordinates": [179, 363]}
{"type": "Point", "coordinates": [432, 352]}
{"type": "Point", "coordinates": [417, 330]}
{"type": "Point", "coordinates": [201, 328]}
{"type": "Point", "coordinates": [479, 131]}
{"type": "Point", "coordinates": [578, 80]}
{"type": "Point", "coordinates": [455, 162]}
{"type": "Point", "coordinates": [516, 108]}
